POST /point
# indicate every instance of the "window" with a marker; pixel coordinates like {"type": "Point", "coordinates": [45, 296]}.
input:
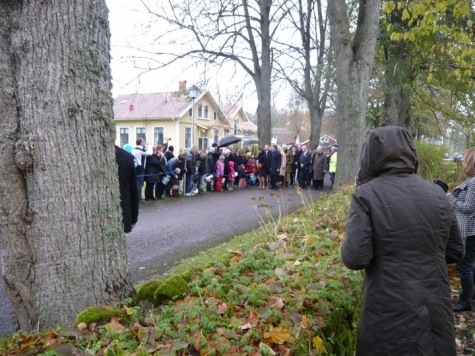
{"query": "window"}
{"type": "Point", "coordinates": [203, 143]}
{"type": "Point", "coordinates": [158, 138]}
{"type": "Point", "coordinates": [200, 111]}
{"type": "Point", "coordinates": [187, 137]}
{"type": "Point", "coordinates": [216, 136]}
{"type": "Point", "coordinates": [206, 111]}
{"type": "Point", "coordinates": [190, 112]}
{"type": "Point", "coordinates": [140, 133]}
{"type": "Point", "coordinates": [214, 115]}
{"type": "Point", "coordinates": [124, 136]}
{"type": "Point", "coordinates": [236, 126]}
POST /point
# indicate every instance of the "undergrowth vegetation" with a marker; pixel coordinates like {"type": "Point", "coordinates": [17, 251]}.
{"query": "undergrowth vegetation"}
{"type": "Point", "coordinates": [279, 290]}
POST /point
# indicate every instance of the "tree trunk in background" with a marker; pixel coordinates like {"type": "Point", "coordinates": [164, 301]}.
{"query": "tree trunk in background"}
{"type": "Point", "coordinates": [262, 68]}
{"type": "Point", "coordinates": [60, 221]}
{"type": "Point", "coordinates": [353, 61]}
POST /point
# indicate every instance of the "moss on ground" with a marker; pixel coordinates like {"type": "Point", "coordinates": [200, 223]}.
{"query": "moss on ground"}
{"type": "Point", "coordinates": [103, 314]}
{"type": "Point", "coordinates": [158, 291]}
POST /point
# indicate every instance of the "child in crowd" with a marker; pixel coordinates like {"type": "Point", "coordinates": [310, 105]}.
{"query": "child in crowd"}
{"type": "Point", "coordinates": [219, 174]}
{"type": "Point", "coordinates": [231, 175]}
{"type": "Point", "coordinates": [174, 183]}
{"type": "Point", "coordinates": [242, 176]}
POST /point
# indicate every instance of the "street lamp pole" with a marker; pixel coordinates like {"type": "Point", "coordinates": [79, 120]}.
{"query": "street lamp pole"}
{"type": "Point", "coordinates": [193, 92]}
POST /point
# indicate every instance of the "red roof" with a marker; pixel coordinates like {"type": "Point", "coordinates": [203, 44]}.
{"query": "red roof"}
{"type": "Point", "coordinates": [249, 126]}
{"type": "Point", "coordinates": [152, 105]}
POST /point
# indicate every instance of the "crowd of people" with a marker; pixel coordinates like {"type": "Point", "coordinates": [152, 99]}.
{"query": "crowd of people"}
{"type": "Point", "coordinates": [222, 168]}
{"type": "Point", "coordinates": [216, 170]}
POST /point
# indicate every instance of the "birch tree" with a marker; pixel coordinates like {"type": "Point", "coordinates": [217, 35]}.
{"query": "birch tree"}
{"type": "Point", "coordinates": [60, 221]}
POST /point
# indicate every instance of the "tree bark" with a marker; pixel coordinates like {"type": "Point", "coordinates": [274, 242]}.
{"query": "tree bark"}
{"type": "Point", "coordinates": [353, 61]}
{"type": "Point", "coordinates": [60, 221]}
{"type": "Point", "coordinates": [262, 68]}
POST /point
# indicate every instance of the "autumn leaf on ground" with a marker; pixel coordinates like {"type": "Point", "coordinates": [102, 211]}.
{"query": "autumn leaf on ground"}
{"type": "Point", "coordinates": [267, 348]}
{"type": "Point", "coordinates": [246, 326]}
{"type": "Point", "coordinates": [277, 302]}
{"type": "Point", "coordinates": [278, 335]}
{"type": "Point", "coordinates": [114, 327]}
{"type": "Point", "coordinates": [222, 308]}
{"type": "Point", "coordinates": [304, 323]}
{"type": "Point", "coordinates": [318, 344]}
{"type": "Point", "coordinates": [128, 310]}
{"type": "Point", "coordinates": [253, 318]}
{"type": "Point", "coordinates": [147, 335]}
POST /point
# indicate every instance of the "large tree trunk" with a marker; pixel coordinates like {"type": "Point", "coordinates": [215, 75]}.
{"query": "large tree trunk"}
{"type": "Point", "coordinates": [353, 61]}
{"type": "Point", "coordinates": [262, 75]}
{"type": "Point", "coordinates": [397, 107]}
{"type": "Point", "coordinates": [60, 222]}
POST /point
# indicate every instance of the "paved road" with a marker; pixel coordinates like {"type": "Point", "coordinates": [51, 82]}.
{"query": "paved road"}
{"type": "Point", "coordinates": [173, 229]}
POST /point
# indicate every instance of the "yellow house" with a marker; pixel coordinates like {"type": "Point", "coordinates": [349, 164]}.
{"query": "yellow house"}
{"type": "Point", "coordinates": [239, 123]}
{"type": "Point", "coordinates": [157, 116]}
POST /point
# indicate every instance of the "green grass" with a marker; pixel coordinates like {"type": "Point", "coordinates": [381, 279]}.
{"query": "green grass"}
{"type": "Point", "coordinates": [280, 289]}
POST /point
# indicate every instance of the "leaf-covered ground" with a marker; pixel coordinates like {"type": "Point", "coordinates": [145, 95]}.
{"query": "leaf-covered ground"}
{"type": "Point", "coordinates": [280, 290]}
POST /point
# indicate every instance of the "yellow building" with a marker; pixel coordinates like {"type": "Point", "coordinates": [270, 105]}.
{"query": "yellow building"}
{"type": "Point", "coordinates": [239, 124]}
{"type": "Point", "coordinates": [157, 116]}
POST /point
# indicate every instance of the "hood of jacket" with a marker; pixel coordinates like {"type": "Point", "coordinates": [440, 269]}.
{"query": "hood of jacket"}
{"type": "Point", "coordinates": [387, 150]}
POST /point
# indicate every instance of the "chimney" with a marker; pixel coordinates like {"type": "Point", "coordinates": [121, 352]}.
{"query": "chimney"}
{"type": "Point", "coordinates": [182, 84]}
{"type": "Point", "coordinates": [131, 107]}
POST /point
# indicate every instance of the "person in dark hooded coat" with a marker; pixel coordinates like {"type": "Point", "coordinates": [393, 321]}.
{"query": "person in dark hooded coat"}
{"type": "Point", "coordinates": [129, 198]}
{"type": "Point", "coordinates": [401, 230]}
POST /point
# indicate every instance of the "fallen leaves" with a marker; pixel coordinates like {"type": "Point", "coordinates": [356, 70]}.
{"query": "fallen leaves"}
{"type": "Point", "coordinates": [278, 335]}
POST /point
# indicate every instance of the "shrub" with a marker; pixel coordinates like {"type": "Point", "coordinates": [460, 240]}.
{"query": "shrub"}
{"type": "Point", "coordinates": [430, 160]}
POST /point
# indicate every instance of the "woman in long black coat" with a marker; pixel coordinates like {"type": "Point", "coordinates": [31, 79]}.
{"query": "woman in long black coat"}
{"type": "Point", "coordinates": [402, 231]}
{"type": "Point", "coordinates": [152, 174]}
{"type": "Point", "coordinates": [275, 163]}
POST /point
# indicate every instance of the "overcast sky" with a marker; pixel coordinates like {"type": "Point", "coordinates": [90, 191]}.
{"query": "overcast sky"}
{"type": "Point", "coordinates": [127, 23]}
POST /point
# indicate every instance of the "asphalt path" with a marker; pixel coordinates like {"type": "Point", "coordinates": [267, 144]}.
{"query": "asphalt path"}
{"type": "Point", "coordinates": [176, 228]}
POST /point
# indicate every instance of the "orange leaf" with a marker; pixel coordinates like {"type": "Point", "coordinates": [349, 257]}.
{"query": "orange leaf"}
{"type": "Point", "coordinates": [253, 318]}
{"type": "Point", "coordinates": [278, 335]}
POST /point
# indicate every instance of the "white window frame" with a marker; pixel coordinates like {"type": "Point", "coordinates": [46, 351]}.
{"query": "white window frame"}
{"type": "Point", "coordinates": [137, 134]}
{"type": "Point", "coordinates": [201, 143]}
{"type": "Point", "coordinates": [187, 129]}
{"type": "Point", "coordinates": [156, 142]}
{"type": "Point", "coordinates": [120, 135]}
{"type": "Point", "coordinates": [206, 112]}
{"type": "Point", "coordinates": [200, 111]}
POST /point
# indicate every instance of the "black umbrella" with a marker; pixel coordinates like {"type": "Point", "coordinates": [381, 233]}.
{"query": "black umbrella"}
{"type": "Point", "coordinates": [251, 142]}
{"type": "Point", "coordinates": [229, 140]}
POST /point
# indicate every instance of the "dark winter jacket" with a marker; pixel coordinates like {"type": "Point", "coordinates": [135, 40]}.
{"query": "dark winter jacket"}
{"type": "Point", "coordinates": [402, 231]}
{"type": "Point", "coordinates": [262, 159]}
{"type": "Point", "coordinates": [296, 159]}
{"type": "Point", "coordinates": [129, 199]}
{"type": "Point", "coordinates": [210, 164]}
{"type": "Point", "coordinates": [319, 165]}
{"type": "Point", "coordinates": [201, 163]}
{"type": "Point", "coordinates": [152, 169]}
{"type": "Point", "coordinates": [275, 162]}
{"type": "Point", "coordinates": [305, 159]}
